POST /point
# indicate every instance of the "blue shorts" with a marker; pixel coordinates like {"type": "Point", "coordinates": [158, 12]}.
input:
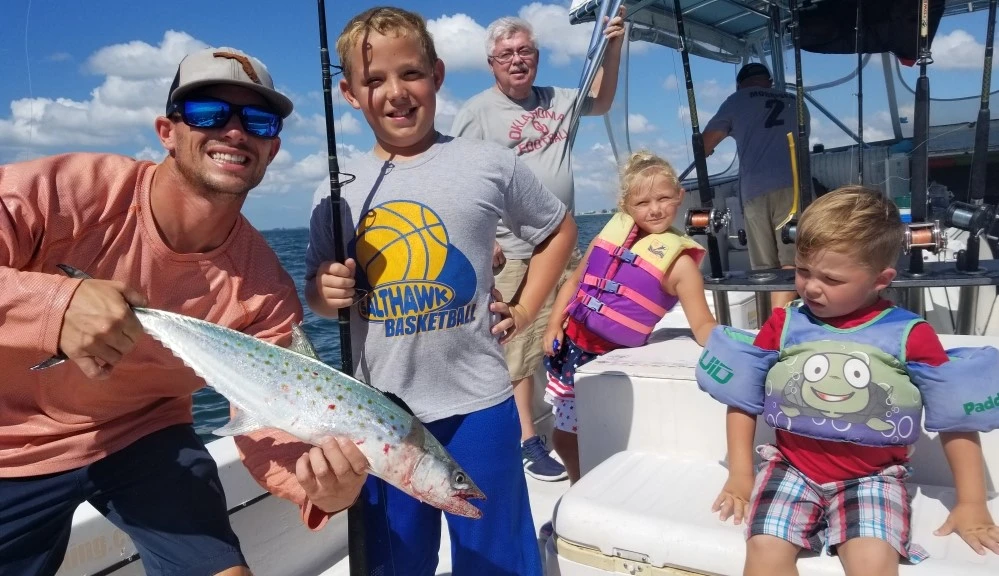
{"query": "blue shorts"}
{"type": "Point", "coordinates": [404, 535]}
{"type": "Point", "coordinates": [163, 490]}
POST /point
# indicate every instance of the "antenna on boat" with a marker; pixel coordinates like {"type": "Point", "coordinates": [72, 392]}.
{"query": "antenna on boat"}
{"type": "Point", "coordinates": [356, 548]}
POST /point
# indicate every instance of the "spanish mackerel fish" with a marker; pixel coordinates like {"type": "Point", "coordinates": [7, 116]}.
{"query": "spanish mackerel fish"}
{"type": "Point", "coordinates": [292, 390]}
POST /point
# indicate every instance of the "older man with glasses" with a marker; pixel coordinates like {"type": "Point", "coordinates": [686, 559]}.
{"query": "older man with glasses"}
{"type": "Point", "coordinates": [534, 122]}
{"type": "Point", "coordinates": [169, 236]}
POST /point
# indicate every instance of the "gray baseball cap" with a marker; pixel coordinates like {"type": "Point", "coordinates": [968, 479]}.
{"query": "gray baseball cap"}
{"type": "Point", "coordinates": [215, 66]}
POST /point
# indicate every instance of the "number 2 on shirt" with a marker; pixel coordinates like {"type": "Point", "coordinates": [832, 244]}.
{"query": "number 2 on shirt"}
{"type": "Point", "coordinates": [776, 107]}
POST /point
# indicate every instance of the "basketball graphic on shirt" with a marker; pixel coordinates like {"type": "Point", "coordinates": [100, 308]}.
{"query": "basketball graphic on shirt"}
{"type": "Point", "coordinates": [417, 280]}
{"type": "Point", "coordinates": [401, 241]}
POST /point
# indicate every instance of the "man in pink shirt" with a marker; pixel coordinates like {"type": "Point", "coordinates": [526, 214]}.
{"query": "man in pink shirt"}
{"type": "Point", "coordinates": [113, 427]}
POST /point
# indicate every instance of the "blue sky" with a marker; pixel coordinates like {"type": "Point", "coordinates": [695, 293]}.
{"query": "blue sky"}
{"type": "Point", "coordinates": [93, 76]}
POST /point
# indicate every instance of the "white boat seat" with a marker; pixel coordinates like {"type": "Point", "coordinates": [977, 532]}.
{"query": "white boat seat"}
{"type": "Point", "coordinates": [652, 451]}
{"type": "Point", "coordinates": [654, 510]}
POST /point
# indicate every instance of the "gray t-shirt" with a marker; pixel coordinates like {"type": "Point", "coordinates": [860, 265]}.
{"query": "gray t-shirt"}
{"type": "Point", "coordinates": [759, 120]}
{"type": "Point", "coordinates": [537, 129]}
{"type": "Point", "coordinates": [422, 233]}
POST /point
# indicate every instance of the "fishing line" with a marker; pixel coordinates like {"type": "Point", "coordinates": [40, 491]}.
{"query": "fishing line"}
{"type": "Point", "coordinates": [679, 103]}
{"type": "Point", "coordinates": [31, 94]}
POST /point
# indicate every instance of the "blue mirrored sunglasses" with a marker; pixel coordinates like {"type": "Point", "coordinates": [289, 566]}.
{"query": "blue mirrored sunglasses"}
{"type": "Point", "coordinates": [206, 113]}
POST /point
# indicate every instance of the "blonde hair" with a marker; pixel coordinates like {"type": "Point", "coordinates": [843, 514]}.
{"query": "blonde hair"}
{"type": "Point", "coordinates": [387, 21]}
{"type": "Point", "coordinates": [643, 164]}
{"type": "Point", "coordinates": [854, 220]}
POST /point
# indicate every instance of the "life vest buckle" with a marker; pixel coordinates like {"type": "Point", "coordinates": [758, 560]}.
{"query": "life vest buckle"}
{"type": "Point", "coordinates": [605, 285]}
{"type": "Point", "coordinates": [626, 256]}
{"type": "Point", "coordinates": [593, 304]}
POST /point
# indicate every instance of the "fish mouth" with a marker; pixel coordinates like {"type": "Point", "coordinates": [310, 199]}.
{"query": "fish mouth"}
{"type": "Point", "coordinates": [833, 397]}
{"type": "Point", "coordinates": [459, 504]}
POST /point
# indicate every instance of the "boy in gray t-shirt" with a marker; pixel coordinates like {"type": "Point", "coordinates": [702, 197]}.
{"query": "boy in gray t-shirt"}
{"type": "Point", "coordinates": [419, 220]}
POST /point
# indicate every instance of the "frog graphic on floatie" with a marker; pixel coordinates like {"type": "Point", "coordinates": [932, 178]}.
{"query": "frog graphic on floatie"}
{"type": "Point", "coordinates": [851, 391]}
{"type": "Point", "coordinates": [838, 385]}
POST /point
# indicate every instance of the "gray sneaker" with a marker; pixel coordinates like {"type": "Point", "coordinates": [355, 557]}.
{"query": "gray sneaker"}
{"type": "Point", "coordinates": [538, 463]}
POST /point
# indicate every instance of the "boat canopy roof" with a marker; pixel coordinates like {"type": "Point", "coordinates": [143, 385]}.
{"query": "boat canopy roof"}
{"type": "Point", "coordinates": [734, 30]}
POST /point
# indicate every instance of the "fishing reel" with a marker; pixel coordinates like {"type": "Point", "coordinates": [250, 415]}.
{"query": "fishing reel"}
{"type": "Point", "coordinates": [789, 232]}
{"type": "Point", "coordinates": [925, 236]}
{"type": "Point", "coordinates": [703, 221]}
{"type": "Point", "coordinates": [976, 220]}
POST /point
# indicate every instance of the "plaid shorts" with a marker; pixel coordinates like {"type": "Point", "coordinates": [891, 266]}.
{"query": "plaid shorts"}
{"type": "Point", "coordinates": [789, 506]}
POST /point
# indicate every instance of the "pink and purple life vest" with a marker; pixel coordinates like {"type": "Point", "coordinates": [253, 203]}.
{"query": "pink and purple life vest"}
{"type": "Point", "coordinates": [621, 295]}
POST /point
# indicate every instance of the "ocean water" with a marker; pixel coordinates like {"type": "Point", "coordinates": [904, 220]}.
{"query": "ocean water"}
{"type": "Point", "coordinates": [211, 410]}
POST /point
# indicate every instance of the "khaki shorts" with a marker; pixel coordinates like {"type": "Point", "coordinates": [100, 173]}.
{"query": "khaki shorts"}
{"type": "Point", "coordinates": [524, 352]}
{"type": "Point", "coordinates": [762, 214]}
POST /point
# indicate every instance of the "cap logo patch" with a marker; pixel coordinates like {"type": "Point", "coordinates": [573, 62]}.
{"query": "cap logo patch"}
{"type": "Point", "coordinates": [243, 61]}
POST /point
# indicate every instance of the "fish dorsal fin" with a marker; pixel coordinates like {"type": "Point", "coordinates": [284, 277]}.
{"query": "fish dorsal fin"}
{"type": "Point", "coordinates": [241, 423]}
{"type": "Point", "coordinates": [300, 342]}
{"type": "Point", "coordinates": [74, 272]}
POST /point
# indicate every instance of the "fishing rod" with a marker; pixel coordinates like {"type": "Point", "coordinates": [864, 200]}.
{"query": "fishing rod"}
{"type": "Point", "coordinates": [356, 548]}
{"type": "Point", "coordinates": [804, 158]}
{"type": "Point", "coordinates": [976, 217]}
{"type": "Point", "coordinates": [920, 134]}
{"type": "Point", "coordinates": [700, 163]}
{"type": "Point", "coordinates": [860, 92]}
{"type": "Point", "coordinates": [979, 159]}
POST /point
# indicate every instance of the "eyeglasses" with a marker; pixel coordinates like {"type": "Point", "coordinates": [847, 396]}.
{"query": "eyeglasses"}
{"type": "Point", "coordinates": [209, 113]}
{"type": "Point", "coordinates": [525, 53]}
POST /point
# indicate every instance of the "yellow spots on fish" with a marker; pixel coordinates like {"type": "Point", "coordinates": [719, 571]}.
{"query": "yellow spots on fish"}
{"type": "Point", "coordinates": [381, 421]}
{"type": "Point", "coordinates": [285, 388]}
{"type": "Point", "coordinates": [267, 362]}
{"type": "Point", "coordinates": [391, 416]}
{"type": "Point", "coordinates": [370, 401]}
{"type": "Point", "coordinates": [339, 397]}
{"type": "Point", "coordinates": [299, 377]}
{"type": "Point", "coordinates": [319, 388]}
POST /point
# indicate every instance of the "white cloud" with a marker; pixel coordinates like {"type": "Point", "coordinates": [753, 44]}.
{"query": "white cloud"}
{"type": "Point", "coordinates": [346, 154]}
{"type": "Point", "coordinates": [120, 109]}
{"type": "Point", "coordinates": [447, 108]}
{"type": "Point", "coordinates": [957, 50]}
{"type": "Point", "coordinates": [460, 42]}
{"type": "Point", "coordinates": [349, 124]}
{"type": "Point", "coordinates": [671, 83]}
{"type": "Point", "coordinates": [561, 40]}
{"type": "Point", "coordinates": [638, 124]}
{"type": "Point", "coordinates": [151, 154]}
{"type": "Point", "coordinates": [713, 90]}
{"type": "Point", "coordinates": [139, 60]}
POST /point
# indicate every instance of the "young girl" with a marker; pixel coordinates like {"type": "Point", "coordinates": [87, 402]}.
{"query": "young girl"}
{"type": "Point", "coordinates": [633, 272]}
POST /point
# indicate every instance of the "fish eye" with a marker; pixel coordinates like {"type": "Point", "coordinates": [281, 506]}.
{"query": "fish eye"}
{"type": "Point", "coordinates": [816, 368]}
{"type": "Point", "coordinates": [459, 478]}
{"type": "Point", "coordinates": [857, 373]}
